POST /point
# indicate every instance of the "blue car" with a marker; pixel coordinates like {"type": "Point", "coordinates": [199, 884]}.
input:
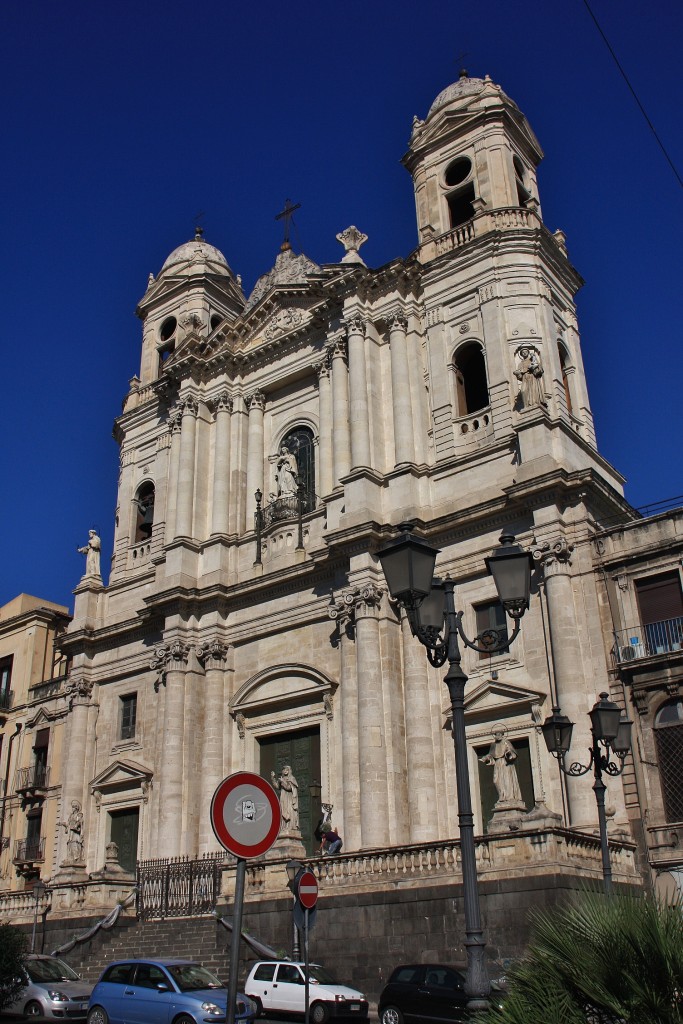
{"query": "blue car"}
{"type": "Point", "coordinates": [163, 992]}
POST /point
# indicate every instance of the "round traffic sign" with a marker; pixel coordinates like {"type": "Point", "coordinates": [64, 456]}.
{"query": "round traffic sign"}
{"type": "Point", "coordinates": [308, 890]}
{"type": "Point", "coordinates": [245, 814]}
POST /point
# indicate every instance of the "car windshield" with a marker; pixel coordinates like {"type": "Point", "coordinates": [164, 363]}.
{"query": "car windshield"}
{"type": "Point", "coordinates": [190, 977]}
{"type": "Point", "coordinates": [50, 969]}
{"type": "Point", "coordinates": [319, 974]}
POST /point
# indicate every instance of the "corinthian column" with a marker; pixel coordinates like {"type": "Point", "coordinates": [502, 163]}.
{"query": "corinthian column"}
{"type": "Point", "coordinates": [372, 753]}
{"type": "Point", "coordinates": [341, 440]}
{"type": "Point", "coordinates": [255, 403]}
{"type": "Point", "coordinates": [358, 393]}
{"type": "Point", "coordinates": [78, 693]}
{"type": "Point", "coordinates": [419, 747]}
{"type": "Point", "coordinates": [171, 660]}
{"type": "Point", "coordinates": [404, 426]}
{"type": "Point", "coordinates": [325, 413]}
{"type": "Point", "coordinates": [342, 611]}
{"type": "Point", "coordinates": [173, 465]}
{"type": "Point", "coordinates": [566, 656]}
{"type": "Point", "coordinates": [221, 465]}
{"type": "Point", "coordinates": [185, 501]}
{"type": "Point", "coordinates": [213, 656]}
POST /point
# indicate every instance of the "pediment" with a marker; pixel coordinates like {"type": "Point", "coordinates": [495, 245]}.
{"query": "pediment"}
{"type": "Point", "coordinates": [281, 685]}
{"type": "Point", "coordinates": [42, 717]}
{"type": "Point", "coordinates": [494, 698]}
{"type": "Point", "coordinates": [122, 775]}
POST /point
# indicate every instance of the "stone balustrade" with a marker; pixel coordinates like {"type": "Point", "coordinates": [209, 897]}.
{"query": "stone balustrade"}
{"type": "Point", "coordinates": [506, 218]}
{"type": "Point", "coordinates": [21, 906]}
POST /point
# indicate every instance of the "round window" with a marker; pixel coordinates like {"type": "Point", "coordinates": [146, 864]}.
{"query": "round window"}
{"type": "Point", "coordinates": [168, 328]}
{"type": "Point", "coordinates": [458, 171]}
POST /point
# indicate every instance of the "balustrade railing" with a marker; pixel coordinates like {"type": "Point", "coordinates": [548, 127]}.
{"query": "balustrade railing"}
{"type": "Point", "coordinates": [655, 638]}
{"type": "Point", "coordinates": [29, 851]}
{"type": "Point", "coordinates": [178, 887]}
{"type": "Point", "coordinates": [35, 777]}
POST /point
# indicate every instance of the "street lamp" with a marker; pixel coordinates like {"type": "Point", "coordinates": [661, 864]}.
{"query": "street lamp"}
{"type": "Point", "coordinates": [39, 889]}
{"type": "Point", "coordinates": [293, 869]}
{"type": "Point", "coordinates": [408, 566]}
{"type": "Point", "coordinates": [611, 732]}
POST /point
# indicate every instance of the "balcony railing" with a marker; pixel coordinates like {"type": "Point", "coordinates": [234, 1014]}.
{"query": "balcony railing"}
{"type": "Point", "coordinates": [31, 779]}
{"type": "Point", "coordinates": [29, 851]}
{"type": "Point", "coordinates": [651, 640]}
{"type": "Point", "coordinates": [6, 699]}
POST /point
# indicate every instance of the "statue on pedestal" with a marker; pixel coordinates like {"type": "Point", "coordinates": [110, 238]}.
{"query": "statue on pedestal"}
{"type": "Point", "coordinates": [288, 789]}
{"type": "Point", "coordinates": [73, 827]}
{"type": "Point", "coordinates": [92, 554]}
{"type": "Point", "coordinates": [502, 756]}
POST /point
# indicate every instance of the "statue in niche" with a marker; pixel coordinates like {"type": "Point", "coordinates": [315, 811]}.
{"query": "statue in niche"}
{"type": "Point", "coordinates": [288, 788]}
{"type": "Point", "coordinates": [73, 827]}
{"type": "Point", "coordinates": [286, 473]}
{"type": "Point", "coordinates": [529, 373]}
{"type": "Point", "coordinates": [502, 756]}
{"type": "Point", "coordinates": [92, 554]}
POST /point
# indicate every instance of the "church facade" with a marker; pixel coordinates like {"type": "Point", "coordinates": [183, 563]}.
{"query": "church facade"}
{"type": "Point", "coordinates": [270, 445]}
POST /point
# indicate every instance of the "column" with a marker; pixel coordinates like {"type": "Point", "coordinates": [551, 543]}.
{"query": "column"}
{"type": "Point", "coordinates": [78, 692]}
{"type": "Point", "coordinates": [255, 403]}
{"type": "Point", "coordinates": [221, 465]}
{"type": "Point", "coordinates": [342, 611]}
{"type": "Point", "coordinates": [404, 427]}
{"type": "Point", "coordinates": [212, 655]}
{"type": "Point", "coordinates": [325, 430]}
{"type": "Point", "coordinates": [372, 751]}
{"type": "Point", "coordinates": [422, 813]}
{"type": "Point", "coordinates": [185, 500]}
{"type": "Point", "coordinates": [358, 394]}
{"type": "Point", "coordinates": [172, 660]}
{"type": "Point", "coordinates": [341, 440]}
{"type": "Point", "coordinates": [569, 676]}
{"type": "Point", "coordinates": [172, 486]}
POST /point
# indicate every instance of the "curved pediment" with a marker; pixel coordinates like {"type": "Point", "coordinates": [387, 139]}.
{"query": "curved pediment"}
{"type": "Point", "coordinates": [282, 684]}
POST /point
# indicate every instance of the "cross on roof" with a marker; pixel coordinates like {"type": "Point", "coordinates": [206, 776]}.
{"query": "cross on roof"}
{"type": "Point", "coordinates": [286, 215]}
{"type": "Point", "coordinates": [460, 62]}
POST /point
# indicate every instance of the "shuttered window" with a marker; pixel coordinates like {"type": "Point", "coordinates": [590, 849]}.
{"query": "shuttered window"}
{"type": "Point", "coordinates": [659, 598]}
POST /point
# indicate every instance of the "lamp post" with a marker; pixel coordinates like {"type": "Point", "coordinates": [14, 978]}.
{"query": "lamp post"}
{"type": "Point", "coordinates": [610, 733]}
{"type": "Point", "coordinates": [408, 565]}
{"type": "Point", "coordinates": [38, 893]}
{"type": "Point", "coordinates": [293, 868]}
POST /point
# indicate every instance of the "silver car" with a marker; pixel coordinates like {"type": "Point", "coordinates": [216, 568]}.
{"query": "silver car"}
{"type": "Point", "coordinates": [53, 990]}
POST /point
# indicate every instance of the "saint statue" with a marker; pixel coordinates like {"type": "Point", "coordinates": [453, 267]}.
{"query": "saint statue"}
{"type": "Point", "coordinates": [289, 798]}
{"type": "Point", "coordinates": [286, 473]}
{"type": "Point", "coordinates": [92, 554]}
{"type": "Point", "coordinates": [74, 834]}
{"type": "Point", "coordinates": [529, 373]}
{"type": "Point", "coordinates": [502, 756]}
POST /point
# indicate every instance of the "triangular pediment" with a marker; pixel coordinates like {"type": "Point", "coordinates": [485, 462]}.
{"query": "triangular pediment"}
{"type": "Point", "coordinates": [122, 775]}
{"type": "Point", "coordinates": [494, 698]}
{"type": "Point", "coordinates": [42, 717]}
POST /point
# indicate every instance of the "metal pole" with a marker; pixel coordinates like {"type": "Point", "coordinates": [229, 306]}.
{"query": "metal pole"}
{"type": "Point", "coordinates": [477, 984]}
{"type": "Point", "coordinates": [599, 789]}
{"type": "Point", "coordinates": [35, 922]}
{"type": "Point", "coordinates": [296, 952]}
{"type": "Point", "coordinates": [307, 992]}
{"type": "Point", "coordinates": [240, 872]}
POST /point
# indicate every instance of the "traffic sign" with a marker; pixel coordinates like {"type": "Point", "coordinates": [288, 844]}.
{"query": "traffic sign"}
{"type": "Point", "coordinates": [308, 890]}
{"type": "Point", "coordinates": [245, 815]}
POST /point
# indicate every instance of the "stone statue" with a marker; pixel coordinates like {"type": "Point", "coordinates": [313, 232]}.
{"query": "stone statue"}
{"type": "Point", "coordinates": [92, 554]}
{"type": "Point", "coordinates": [286, 473]}
{"type": "Point", "coordinates": [529, 373]}
{"type": "Point", "coordinates": [289, 798]}
{"type": "Point", "coordinates": [74, 830]}
{"type": "Point", "coordinates": [502, 756]}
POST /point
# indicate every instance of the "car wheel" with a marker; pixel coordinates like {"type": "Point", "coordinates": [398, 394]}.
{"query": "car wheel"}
{"type": "Point", "coordinates": [98, 1015]}
{"type": "Point", "coordinates": [391, 1015]}
{"type": "Point", "coordinates": [33, 1009]}
{"type": "Point", "coordinates": [258, 1004]}
{"type": "Point", "coordinates": [319, 1013]}
{"type": "Point", "coordinates": [184, 1018]}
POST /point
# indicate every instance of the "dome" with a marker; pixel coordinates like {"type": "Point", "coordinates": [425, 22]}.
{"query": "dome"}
{"type": "Point", "coordinates": [197, 251]}
{"type": "Point", "coordinates": [464, 87]}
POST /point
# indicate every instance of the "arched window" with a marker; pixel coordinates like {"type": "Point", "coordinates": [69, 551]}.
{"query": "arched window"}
{"type": "Point", "coordinates": [471, 386]}
{"type": "Point", "coordinates": [299, 442]}
{"type": "Point", "coordinates": [144, 518]}
{"type": "Point", "coordinates": [460, 200]}
{"type": "Point", "coordinates": [564, 363]}
{"type": "Point", "coordinates": [669, 740]}
{"type": "Point", "coordinates": [167, 339]}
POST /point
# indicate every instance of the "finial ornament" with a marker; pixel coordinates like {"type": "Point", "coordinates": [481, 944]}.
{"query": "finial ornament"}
{"type": "Point", "coordinates": [286, 215]}
{"type": "Point", "coordinates": [352, 239]}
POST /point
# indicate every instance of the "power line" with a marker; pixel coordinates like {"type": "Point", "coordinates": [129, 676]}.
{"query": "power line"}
{"type": "Point", "coordinates": [634, 94]}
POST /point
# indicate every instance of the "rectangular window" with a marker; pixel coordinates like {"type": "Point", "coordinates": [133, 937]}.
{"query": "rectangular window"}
{"type": "Point", "coordinates": [129, 710]}
{"type": "Point", "coordinates": [5, 682]}
{"type": "Point", "coordinates": [491, 616]}
{"type": "Point", "coordinates": [660, 603]}
{"type": "Point", "coordinates": [40, 748]}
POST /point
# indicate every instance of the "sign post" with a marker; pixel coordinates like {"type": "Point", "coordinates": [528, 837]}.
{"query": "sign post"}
{"type": "Point", "coordinates": [307, 892]}
{"type": "Point", "coordinates": [245, 818]}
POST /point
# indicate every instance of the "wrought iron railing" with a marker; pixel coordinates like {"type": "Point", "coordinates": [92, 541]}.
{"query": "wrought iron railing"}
{"type": "Point", "coordinates": [178, 887]}
{"type": "Point", "coordinates": [6, 699]}
{"type": "Point", "coordinates": [28, 851]}
{"type": "Point", "coordinates": [654, 638]}
{"type": "Point", "coordinates": [35, 777]}
{"type": "Point", "coordinates": [286, 508]}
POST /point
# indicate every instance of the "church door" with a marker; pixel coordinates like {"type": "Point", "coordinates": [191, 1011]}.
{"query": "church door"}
{"type": "Point", "coordinates": [124, 832]}
{"type": "Point", "coordinates": [301, 751]}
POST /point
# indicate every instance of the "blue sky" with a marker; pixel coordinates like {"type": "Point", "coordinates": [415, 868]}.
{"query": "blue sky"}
{"type": "Point", "coordinates": [121, 122]}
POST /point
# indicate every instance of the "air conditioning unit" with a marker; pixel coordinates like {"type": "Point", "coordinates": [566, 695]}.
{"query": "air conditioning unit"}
{"type": "Point", "coordinates": [628, 653]}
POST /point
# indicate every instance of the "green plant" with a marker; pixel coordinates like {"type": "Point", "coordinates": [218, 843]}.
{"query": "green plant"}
{"type": "Point", "coordinates": [13, 947]}
{"type": "Point", "coordinates": [599, 960]}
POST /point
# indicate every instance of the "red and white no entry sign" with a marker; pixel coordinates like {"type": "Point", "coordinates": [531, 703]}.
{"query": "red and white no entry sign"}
{"type": "Point", "coordinates": [308, 890]}
{"type": "Point", "coordinates": [245, 815]}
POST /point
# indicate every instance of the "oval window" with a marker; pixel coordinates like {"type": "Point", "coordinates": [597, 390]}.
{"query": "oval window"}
{"type": "Point", "coordinates": [458, 171]}
{"type": "Point", "coordinates": [168, 328]}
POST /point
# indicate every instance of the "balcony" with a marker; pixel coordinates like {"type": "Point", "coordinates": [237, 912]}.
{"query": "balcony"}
{"type": "Point", "coordinates": [33, 781]}
{"type": "Point", "coordinates": [28, 852]}
{"type": "Point", "coordinates": [650, 641]}
{"type": "Point", "coordinates": [6, 697]}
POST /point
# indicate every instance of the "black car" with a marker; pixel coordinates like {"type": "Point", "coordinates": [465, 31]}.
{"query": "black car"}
{"type": "Point", "coordinates": [424, 991]}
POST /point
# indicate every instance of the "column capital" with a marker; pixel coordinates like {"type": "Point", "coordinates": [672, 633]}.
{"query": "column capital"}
{"type": "Point", "coordinates": [355, 324]}
{"type": "Point", "coordinates": [189, 406]}
{"type": "Point", "coordinates": [343, 609]}
{"type": "Point", "coordinates": [78, 691]}
{"type": "Point", "coordinates": [221, 402]}
{"type": "Point", "coordinates": [212, 654]}
{"type": "Point", "coordinates": [397, 320]}
{"type": "Point", "coordinates": [554, 556]}
{"type": "Point", "coordinates": [322, 368]}
{"type": "Point", "coordinates": [174, 420]}
{"type": "Point", "coordinates": [337, 347]}
{"type": "Point", "coordinates": [170, 657]}
{"type": "Point", "coordinates": [367, 599]}
{"type": "Point", "coordinates": [255, 400]}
